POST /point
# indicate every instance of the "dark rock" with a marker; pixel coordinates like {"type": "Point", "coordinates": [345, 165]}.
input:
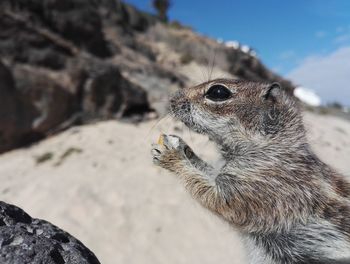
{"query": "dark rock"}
{"type": "Point", "coordinates": [33, 102]}
{"type": "Point", "coordinates": [55, 68]}
{"type": "Point", "coordinates": [77, 21]}
{"type": "Point", "coordinates": [16, 113]}
{"type": "Point", "coordinates": [37, 101]}
{"type": "Point", "coordinates": [20, 43]}
{"type": "Point", "coordinates": [46, 92]}
{"type": "Point", "coordinates": [27, 240]}
{"type": "Point", "coordinates": [107, 94]}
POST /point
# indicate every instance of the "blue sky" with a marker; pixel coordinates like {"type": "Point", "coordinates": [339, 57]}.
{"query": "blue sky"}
{"type": "Point", "coordinates": [291, 37]}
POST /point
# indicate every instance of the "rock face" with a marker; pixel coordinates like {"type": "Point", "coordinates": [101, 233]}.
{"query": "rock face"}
{"type": "Point", "coordinates": [16, 113]}
{"type": "Point", "coordinates": [54, 71]}
{"type": "Point", "coordinates": [27, 240]}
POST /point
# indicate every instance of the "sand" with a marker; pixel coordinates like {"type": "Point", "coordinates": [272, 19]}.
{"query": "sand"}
{"type": "Point", "coordinates": [98, 183]}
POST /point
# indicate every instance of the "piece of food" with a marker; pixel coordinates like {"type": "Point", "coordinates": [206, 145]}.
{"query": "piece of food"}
{"type": "Point", "coordinates": [161, 140]}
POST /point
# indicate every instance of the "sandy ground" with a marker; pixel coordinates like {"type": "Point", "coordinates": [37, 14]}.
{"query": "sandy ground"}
{"type": "Point", "coordinates": [98, 183]}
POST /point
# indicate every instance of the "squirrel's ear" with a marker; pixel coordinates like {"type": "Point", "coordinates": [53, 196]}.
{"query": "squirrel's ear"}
{"type": "Point", "coordinates": [273, 92]}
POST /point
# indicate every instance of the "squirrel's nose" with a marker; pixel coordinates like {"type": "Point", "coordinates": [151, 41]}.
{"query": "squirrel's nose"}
{"type": "Point", "coordinates": [177, 97]}
{"type": "Point", "coordinates": [185, 106]}
{"type": "Point", "coordinates": [179, 102]}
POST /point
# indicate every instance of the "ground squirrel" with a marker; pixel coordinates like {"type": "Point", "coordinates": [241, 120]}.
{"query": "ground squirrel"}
{"type": "Point", "coordinates": [289, 206]}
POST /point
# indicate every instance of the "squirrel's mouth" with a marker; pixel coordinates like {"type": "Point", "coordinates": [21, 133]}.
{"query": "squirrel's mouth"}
{"type": "Point", "coordinates": [181, 109]}
{"type": "Point", "coordinates": [184, 114]}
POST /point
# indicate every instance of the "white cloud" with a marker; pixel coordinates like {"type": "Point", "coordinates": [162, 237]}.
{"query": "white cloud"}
{"type": "Point", "coordinates": [342, 35]}
{"type": "Point", "coordinates": [328, 75]}
{"type": "Point", "coordinates": [342, 38]}
{"type": "Point", "coordinates": [321, 34]}
{"type": "Point", "coordinates": [340, 29]}
{"type": "Point", "coordinates": [277, 68]}
{"type": "Point", "coordinates": [288, 54]}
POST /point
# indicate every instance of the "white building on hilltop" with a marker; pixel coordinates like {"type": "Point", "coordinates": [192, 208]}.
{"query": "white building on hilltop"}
{"type": "Point", "coordinates": [307, 96]}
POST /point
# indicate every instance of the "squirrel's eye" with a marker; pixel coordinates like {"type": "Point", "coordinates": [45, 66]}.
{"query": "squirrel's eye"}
{"type": "Point", "coordinates": [218, 93]}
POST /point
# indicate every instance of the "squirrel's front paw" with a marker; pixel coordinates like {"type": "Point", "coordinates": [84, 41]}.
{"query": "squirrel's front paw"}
{"type": "Point", "coordinates": [170, 152]}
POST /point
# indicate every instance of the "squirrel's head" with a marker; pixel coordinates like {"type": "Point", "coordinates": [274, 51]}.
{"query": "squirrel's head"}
{"type": "Point", "coordinates": [227, 109]}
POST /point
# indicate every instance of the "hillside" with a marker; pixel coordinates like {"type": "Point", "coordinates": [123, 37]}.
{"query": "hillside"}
{"type": "Point", "coordinates": [70, 62]}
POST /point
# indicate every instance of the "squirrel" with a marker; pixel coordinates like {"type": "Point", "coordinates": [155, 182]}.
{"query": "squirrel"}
{"type": "Point", "coordinates": [288, 205]}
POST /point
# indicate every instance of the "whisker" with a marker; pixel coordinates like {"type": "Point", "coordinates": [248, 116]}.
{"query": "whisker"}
{"type": "Point", "coordinates": [208, 63]}
{"type": "Point", "coordinates": [203, 74]}
{"type": "Point", "coordinates": [160, 101]}
{"type": "Point", "coordinates": [162, 119]}
{"type": "Point", "coordinates": [212, 65]}
{"type": "Point", "coordinates": [223, 76]}
{"type": "Point", "coordinates": [182, 128]}
{"type": "Point", "coordinates": [191, 138]}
